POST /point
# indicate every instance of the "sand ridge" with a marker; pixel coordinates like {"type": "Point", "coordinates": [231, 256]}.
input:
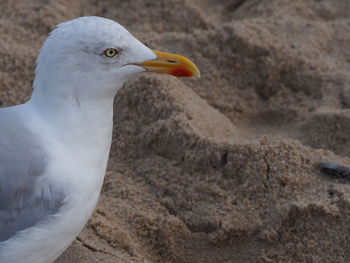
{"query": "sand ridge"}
{"type": "Point", "coordinates": [224, 168]}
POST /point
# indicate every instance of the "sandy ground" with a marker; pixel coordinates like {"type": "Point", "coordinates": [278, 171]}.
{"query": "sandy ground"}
{"type": "Point", "coordinates": [224, 168]}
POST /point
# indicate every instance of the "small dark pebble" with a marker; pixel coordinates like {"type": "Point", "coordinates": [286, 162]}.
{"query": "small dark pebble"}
{"type": "Point", "coordinates": [336, 170]}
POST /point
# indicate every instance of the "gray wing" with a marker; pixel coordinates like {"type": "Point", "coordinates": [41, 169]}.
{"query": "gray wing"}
{"type": "Point", "coordinates": [25, 197]}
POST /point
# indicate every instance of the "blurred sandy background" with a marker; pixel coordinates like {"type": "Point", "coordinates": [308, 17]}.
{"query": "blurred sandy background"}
{"type": "Point", "coordinates": [224, 168]}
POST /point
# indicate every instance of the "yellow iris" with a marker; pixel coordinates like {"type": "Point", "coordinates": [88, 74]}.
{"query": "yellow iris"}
{"type": "Point", "coordinates": [110, 52]}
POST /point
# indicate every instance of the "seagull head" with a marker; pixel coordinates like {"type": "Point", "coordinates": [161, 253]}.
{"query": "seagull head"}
{"type": "Point", "coordinates": [92, 56]}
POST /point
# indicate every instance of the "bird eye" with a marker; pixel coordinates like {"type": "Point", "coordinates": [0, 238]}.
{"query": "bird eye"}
{"type": "Point", "coordinates": [110, 52]}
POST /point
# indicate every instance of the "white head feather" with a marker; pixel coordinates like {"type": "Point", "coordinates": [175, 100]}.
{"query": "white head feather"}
{"type": "Point", "coordinates": [72, 60]}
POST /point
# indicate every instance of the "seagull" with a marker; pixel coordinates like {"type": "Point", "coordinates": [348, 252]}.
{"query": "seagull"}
{"type": "Point", "coordinates": [54, 148]}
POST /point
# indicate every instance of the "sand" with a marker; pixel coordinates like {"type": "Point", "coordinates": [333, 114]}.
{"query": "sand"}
{"type": "Point", "coordinates": [224, 168]}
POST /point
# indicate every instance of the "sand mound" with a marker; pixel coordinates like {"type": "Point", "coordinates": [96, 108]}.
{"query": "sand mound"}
{"type": "Point", "coordinates": [225, 168]}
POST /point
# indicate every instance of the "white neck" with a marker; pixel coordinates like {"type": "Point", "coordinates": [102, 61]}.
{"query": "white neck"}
{"type": "Point", "coordinates": [79, 111]}
{"type": "Point", "coordinates": [79, 118]}
{"type": "Point", "coordinates": [81, 125]}
{"type": "Point", "coordinates": [83, 131]}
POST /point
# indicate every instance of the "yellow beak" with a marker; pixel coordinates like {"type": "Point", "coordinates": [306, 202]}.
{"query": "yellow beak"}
{"type": "Point", "coordinates": [172, 64]}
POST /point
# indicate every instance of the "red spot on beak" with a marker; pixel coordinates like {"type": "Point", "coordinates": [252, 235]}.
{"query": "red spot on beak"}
{"type": "Point", "coordinates": [181, 72]}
